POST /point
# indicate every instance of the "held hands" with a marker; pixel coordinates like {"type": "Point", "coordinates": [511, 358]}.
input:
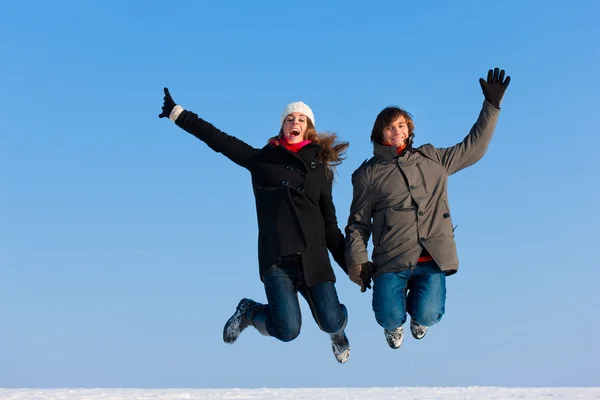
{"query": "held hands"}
{"type": "Point", "coordinates": [361, 275]}
{"type": "Point", "coordinates": [495, 86]}
{"type": "Point", "coordinates": [168, 105]}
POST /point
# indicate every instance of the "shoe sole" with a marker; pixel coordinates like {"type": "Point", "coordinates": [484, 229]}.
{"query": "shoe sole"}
{"type": "Point", "coordinates": [343, 356]}
{"type": "Point", "coordinates": [394, 345]}
{"type": "Point", "coordinates": [233, 324]}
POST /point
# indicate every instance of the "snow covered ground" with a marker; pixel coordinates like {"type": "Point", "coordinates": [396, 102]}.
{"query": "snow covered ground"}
{"type": "Point", "coordinates": [403, 393]}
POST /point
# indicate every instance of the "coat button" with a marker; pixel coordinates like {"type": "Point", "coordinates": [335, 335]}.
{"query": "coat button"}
{"type": "Point", "coordinates": [412, 187]}
{"type": "Point", "coordinates": [284, 183]}
{"type": "Point", "coordinates": [421, 213]}
{"type": "Point", "coordinates": [422, 239]}
{"type": "Point", "coordinates": [313, 165]}
{"type": "Point", "coordinates": [301, 189]}
{"type": "Point", "coordinates": [389, 227]}
{"type": "Point", "coordinates": [288, 167]}
{"type": "Point", "coordinates": [446, 215]}
{"type": "Point", "coordinates": [302, 174]}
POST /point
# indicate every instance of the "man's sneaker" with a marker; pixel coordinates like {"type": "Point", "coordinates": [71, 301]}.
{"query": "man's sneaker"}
{"type": "Point", "coordinates": [395, 337]}
{"type": "Point", "coordinates": [238, 321]}
{"type": "Point", "coordinates": [340, 346]}
{"type": "Point", "coordinates": [418, 331]}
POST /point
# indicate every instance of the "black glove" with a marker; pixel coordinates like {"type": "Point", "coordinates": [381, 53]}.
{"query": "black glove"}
{"type": "Point", "coordinates": [168, 105]}
{"type": "Point", "coordinates": [366, 274]}
{"type": "Point", "coordinates": [361, 275]}
{"type": "Point", "coordinates": [495, 86]}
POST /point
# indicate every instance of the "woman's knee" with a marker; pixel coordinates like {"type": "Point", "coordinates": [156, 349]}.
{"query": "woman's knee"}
{"type": "Point", "coordinates": [286, 331]}
{"type": "Point", "coordinates": [333, 322]}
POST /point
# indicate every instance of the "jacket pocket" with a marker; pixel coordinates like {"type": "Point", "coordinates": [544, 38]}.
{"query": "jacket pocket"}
{"type": "Point", "coordinates": [448, 218]}
{"type": "Point", "coordinates": [399, 225]}
{"type": "Point", "coordinates": [378, 227]}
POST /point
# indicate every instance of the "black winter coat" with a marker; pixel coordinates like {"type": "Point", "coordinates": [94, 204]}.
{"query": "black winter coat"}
{"type": "Point", "coordinates": [294, 203]}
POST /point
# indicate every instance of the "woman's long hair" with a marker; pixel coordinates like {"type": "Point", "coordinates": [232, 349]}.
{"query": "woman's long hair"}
{"type": "Point", "coordinates": [333, 150]}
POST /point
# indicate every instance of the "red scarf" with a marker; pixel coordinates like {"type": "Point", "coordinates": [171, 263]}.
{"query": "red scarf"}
{"type": "Point", "coordinates": [293, 147]}
{"type": "Point", "coordinates": [399, 150]}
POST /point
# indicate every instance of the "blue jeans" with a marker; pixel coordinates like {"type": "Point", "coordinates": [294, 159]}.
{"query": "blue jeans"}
{"type": "Point", "coordinates": [425, 301]}
{"type": "Point", "coordinates": [281, 317]}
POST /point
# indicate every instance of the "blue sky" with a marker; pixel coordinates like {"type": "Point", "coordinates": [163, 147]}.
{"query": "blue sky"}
{"type": "Point", "coordinates": [126, 243]}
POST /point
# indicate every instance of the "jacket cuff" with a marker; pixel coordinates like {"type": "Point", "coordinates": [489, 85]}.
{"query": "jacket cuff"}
{"type": "Point", "coordinates": [489, 105]}
{"type": "Point", "coordinates": [175, 113]}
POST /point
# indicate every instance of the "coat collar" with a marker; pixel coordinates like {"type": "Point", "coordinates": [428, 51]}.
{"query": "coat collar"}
{"type": "Point", "coordinates": [384, 152]}
{"type": "Point", "coordinates": [310, 151]}
{"type": "Point", "coordinates": [388, 153]}
{"type": "Point", "coordinates": [309, 157]}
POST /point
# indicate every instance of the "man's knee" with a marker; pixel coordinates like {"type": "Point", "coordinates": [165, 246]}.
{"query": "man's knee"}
{"type": "Point", "coordinates": [389, 302]}
{"type": "Point", "coordinates": [429, 314]}
{"type": "Point", "coordinates": [390, 311]}
{"type": "Point", "coordinates": [390, 319]}
{"type": "Point", "coordinates": [429, 318]}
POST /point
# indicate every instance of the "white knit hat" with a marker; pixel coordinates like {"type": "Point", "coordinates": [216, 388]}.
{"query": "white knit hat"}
{"type": "Point", "coordinates": [298, 107]}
